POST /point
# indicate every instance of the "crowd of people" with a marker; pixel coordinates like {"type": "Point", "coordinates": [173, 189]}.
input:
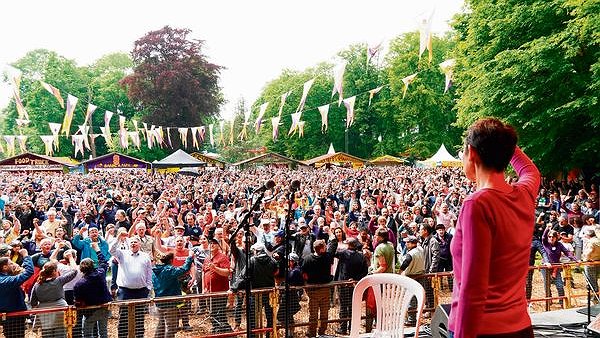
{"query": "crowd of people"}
{"type": "Point", "coordinates": [168, 235]}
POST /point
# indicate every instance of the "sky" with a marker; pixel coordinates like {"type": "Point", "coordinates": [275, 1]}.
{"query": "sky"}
{"type": "Point", "coordinates": [253, 40]}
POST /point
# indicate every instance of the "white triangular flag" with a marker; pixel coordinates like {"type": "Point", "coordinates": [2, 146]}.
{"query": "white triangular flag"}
{"type": "Point", "coordinates": [372, 93]}
{"type": "Point", "coordinates": [183, 132]}
{"type": "Point", "coordinates": [447, 68]}
{"type": "Point", "coordinates": [349, 103]}
{"type": "Point", "coordinates": [407, 81]}
{"type": "Point", "coordinates": [77, 141]}
{"type": "Point", "coordinates": [338, 81]}
{"type": "Point", "coordinates": [275, 123]}
{"type": "Point", "coordinates": [295, 120]}
{"type": "Point", "coordinates": [71, 103]}
{"type": "Point", "coordinates": [261, 113]}
{"type": "Point", "coordinates": [48, 141]}
{"type": "Point", "coordinates": [305, 90]}
{"type": "Point", "coordinates": [88, 113]}
{"type": "Point", "coordinates": [324, 111]}
{"type": "Point", "coordinates": [22, 143]}
{"type": "Point", "coordinates": [282, 103]}
{"type": "Point", "coordinates": [55, 130]}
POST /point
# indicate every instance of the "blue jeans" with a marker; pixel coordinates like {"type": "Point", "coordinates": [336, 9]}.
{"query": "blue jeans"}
{"type": "Point", "coordinates": [125, 294]}
{"type": "Point", "coordinates": [92, 317]}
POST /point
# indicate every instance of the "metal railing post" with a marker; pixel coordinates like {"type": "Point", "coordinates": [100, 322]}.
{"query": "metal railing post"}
{"type": "Point", "coordinates": [568, 290]}
{"type": "Point", "coordinates": [131, 319]}
{"type": "Point", "coordinates": [274, 301]}
{"type": "Point", "coordinates": [548, 274]}
{"type": "Point", "coordinates": [70, 319]}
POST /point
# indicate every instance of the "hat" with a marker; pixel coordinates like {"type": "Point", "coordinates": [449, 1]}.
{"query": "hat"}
{"type": "Point", "coordinates": [440, 226]}
{"type": "Point", "coordinates": [411, 239]}
{"type": "Point", "coordinates": [293, 257]}
{"type": "Point", "coordinates": [194, 238]}
{"type": "Point", "coordinates": [180, 227]}
{"type": "Point", "coordinates": [280, 233]}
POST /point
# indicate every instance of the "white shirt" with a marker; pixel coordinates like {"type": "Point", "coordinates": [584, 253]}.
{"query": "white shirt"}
{"type": "Point", "coordinates": [135, 269]}
{"type": "Point", "coordinates": [63, 269]}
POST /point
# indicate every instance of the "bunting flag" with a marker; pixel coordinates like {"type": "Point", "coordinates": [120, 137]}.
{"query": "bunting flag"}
{"type": "Point", "coordinates": [71, 103]}
{"type": "Point", "coordinates": [425, 39]}
{"type": "Point", "coordinates": [261, 113]}
{"type": "Point", "coordinates": [301, 128]}
{"type": "Point", "coordinates": [135, 138]}
{"type": "Point", "coordinates": [194, 139]}
{"type": "Point", "coordinates": [85, 130]}
{"type": "Point", "coordinates": [338, 81]}
{"type": "Point", "coordinates": [107, 117]}
{"type": "Point", "coordinates": [54, 91]}
{"type": "Point", "coordinates": [231, 132]}
{"type": "Point", "coordinates": [407, 81]}
{"type": "Point", "coordinates": [159, 136]}
{"type": "Point", "coordinates": [211, 135]}
{"type": "Point", "coordinates": [123, 139]}
{"type": "Point", "coordinates": [149, 135]}
{"type": "Point", "coordinates": [221, 135]}
{"type": "Point", "coordinates": [88, 113]}
{"type": "Point", "coordinates": [21, 112]}
{"type": "Point", "coordinates": [145, 130]}
{"type": "Point", "coordinates": [48, 141]}
{"type": "Point", "coordinates": [55, 130]}
{"type": "Point", "coordinates": [307, 86]}
{"type": "Point", "coordinates": [106, 134]}
{"type": "Point", "coordinates": [243, 133]}
{"type": "Point", "coordinates": [77, 141]}
{"type": "Point", "coordinates": [373, 50]}
{"type": "Point", "coordinates": [22, 143]}
{"type": "Point", "coordinates": [21, 123]}
{"type": "Point", "coordinates": [122, 120]}
{"type": "Point", "coordinates": [447, 68]}
{"type": "Point", "coordinates": [324, 110]}
{"type": "Point", "coordinates": [283, 98]}
{"type": "Point", "coordinates": [372, 93]}
{"type": "Point", "coordinates": [169, 137]}
{"type": "Point", "coordinates": [15, 80]}
{"type": "Point", "coordinates": [10, 145]}
{"type": "Point", "coordinates": [295, 120]}
{"type": "Point", "coordinates": [202, 133]}
{"type": "Point", "coordinates": [183, 132]}
{"type": "Point", "coordinates": [349, 103]}
{"type": "Point", "coordinates": [275, 124]}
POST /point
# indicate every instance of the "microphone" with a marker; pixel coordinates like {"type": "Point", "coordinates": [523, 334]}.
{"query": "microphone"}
{"type": "Point", "coordinates": [270, 184]}
{"type": "Point", "coordinates": [295, 186]}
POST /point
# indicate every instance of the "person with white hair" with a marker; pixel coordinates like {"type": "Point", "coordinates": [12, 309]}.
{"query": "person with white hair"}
{"type": "Point", "coordinates": [591, 253]}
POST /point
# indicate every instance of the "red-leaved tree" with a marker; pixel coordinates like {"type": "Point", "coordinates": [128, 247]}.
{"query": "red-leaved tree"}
{"type": "Point", "coordinates": [172, 82]}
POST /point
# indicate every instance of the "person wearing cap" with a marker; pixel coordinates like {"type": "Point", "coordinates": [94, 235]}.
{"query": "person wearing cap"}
{"type": "Point", "coordinates": [316, 270]}
{"type": "Point", "coordinates": [278, 249]}
{"type": "Point", "coordinates": [12, 298]}
{"type": "Point", "coordinates": [263, 269]}
{"type": "Point", "coordinates": [413, 262]}
{"type": "Point", "coordinates": [84, 245]}
{"type": "Point", "coordinates": [445, 256]}
{"type": "Point", "coordinates": [216, 270]}
{"type": "Point", "coordinates": [352, 265]}
{"type": "Point", "coordinates": [294, 279]}
{"type": "Point", "coordinates": [591, 253]}
{"type": "Point", "coordinates": [303, 240]}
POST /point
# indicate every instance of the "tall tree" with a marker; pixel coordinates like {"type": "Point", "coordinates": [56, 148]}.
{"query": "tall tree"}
{"type": "Point", "coordinates": [172, 82]}
{"type": "Point", "coordinates": [536, 64]}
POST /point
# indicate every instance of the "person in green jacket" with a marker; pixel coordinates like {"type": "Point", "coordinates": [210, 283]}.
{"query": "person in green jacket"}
{"type": "Point", "coordinates": [165, 279]}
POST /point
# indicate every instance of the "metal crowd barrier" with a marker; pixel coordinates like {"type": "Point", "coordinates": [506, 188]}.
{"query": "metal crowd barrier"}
{"type": "Point", "coordinates": [215, 314]}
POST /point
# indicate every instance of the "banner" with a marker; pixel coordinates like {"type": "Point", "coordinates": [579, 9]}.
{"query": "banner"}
{"type": "Point", "coordinates": [425, 40]}
{"type": "Point", "coordinates": [324, 111]}
{"type": "Point", "coordinates": [261, 113]}
{"type": "Point", "coordinates": [202, 133]}
{"type": "Point", "coordinates": [307, 86]}
{"type": "Point", "coordinates": [338, 81]}
{"type": "Point", "coordinates": [301, 128]}
{"type": "Point", "coordinates": [168, 131]}
{"type": "Point", "coordinates": [55, 130]}
{"type": "Point", "coordinates": [349, 103]}
{"type": "Point", "coordinates": [211, 134]}
{"type": "Point", "coordinates": [372, 93]}
{"type": "Point", "coordinates": [21, 112]}
{"type": "Point", "coordinates": [88, 113]}
{"type": "Point", "coordinates": [54, 91]}
{"type": "Point", "coordinates": [135, 138]}
{"type": "Point", "coordinates": [275, 124]}
{"type": "Point", "coordinates": [194, 139]}
{"type": "Point", "coordinates": [221, 132]}
{"type": "Point", "coordinates": [283, 98]}
{"type": "Point", "coordinates": [10, 145]}
{"type": "Point", "coordinates": [295, 119]}
{"type": "Point", "coordinates": [106, 134]}
{"type": "Point", "coordinates": [21, 123]}
{"type": "Point", "coordinates": [407, 81]}
{"type": "Point", "coordinates": [183, 132]}
{"type": "Point", "coordinates": [71, 103]}
{"type": "Point", "coordinates": [85, 130]}
{"type": "Point", "coordinates": [48, 141]}
{"type": "Point", "coordinates": [77, 141]}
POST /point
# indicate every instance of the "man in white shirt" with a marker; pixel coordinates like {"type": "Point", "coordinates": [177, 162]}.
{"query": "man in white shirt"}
{"type": "Point", "coordinates": [134, 280]}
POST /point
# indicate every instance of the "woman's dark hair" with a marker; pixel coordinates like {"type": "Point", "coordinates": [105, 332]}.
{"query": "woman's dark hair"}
{"type": "Point", "coordinates": [47, 271]}
{"type": "Point", "coordinates": [494, 142]}
{"type": "Point", "coordinates": [383, 233]}
{"type": "Point", "coordinates": [86, 266]}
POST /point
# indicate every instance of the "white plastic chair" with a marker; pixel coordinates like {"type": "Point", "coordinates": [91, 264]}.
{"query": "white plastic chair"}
{"type": "Point", "coordinates": [393, 294]}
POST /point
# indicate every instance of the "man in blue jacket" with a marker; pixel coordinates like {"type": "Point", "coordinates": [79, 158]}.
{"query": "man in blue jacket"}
{"type": "Point", "coordinates": [12, 298]}
{"type": "Point", "coordinates": [85, 244]}
{"type": "Point", "coordinates": [165, 279]}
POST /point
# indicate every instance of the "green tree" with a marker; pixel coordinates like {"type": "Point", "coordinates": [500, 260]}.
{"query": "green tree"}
{"type": "Point", "coordinates": [536, 65]}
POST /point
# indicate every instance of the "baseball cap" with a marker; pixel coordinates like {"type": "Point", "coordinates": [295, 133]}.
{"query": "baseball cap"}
{"type": "Point", "coordinates": [280, 233]}
{"type": "Point", "coordinates": [411, 239]}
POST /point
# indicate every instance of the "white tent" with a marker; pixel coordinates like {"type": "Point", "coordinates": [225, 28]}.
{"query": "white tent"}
{"type": "Point", "coordinates": [441, 159]}
{"type": "Point", "coordinates": [178, 159]}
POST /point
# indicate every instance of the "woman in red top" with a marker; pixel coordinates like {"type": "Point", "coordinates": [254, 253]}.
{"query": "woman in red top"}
{"type": "Point", "coordinates": [489, 293]}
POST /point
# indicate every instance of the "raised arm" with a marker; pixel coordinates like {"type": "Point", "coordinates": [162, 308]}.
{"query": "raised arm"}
{"type": "Point", "coordinates": [529, 175]}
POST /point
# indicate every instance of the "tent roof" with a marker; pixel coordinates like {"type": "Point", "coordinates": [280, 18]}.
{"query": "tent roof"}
{"type": "Point", "coordinates": [442, 155]}
{"type": "Point", "coordinates": [269, 158]}
{"type": "Point", "coordinates": [27, 156]}
{"type": "Point", "coordinates": [208, 158]}
{"type": "Point", "coordinates": [179, 159]}
{"type": "Point", "coordinates": [336, 157]}
{"type": "Point", "coordinates": [387, 159]}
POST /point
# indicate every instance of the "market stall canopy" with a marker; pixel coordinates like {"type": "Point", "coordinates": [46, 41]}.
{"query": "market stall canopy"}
{"type": "Point", "coordinates": [115, 161]}
{"type": "Point", "coordinates": [339, 158]}
{"type": "Point", "coordinates": [34, 162]}
{"type": "Point", "coordinates": [271, 159]}
{"type": "Point", "coordinates": [211, 159]}
{"type": "Point", "coordinates": [387, 160]}
{"type": "Point", "coordinates": [178, 159]}
{"type": "Point", "coordinates": [441, 159]}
